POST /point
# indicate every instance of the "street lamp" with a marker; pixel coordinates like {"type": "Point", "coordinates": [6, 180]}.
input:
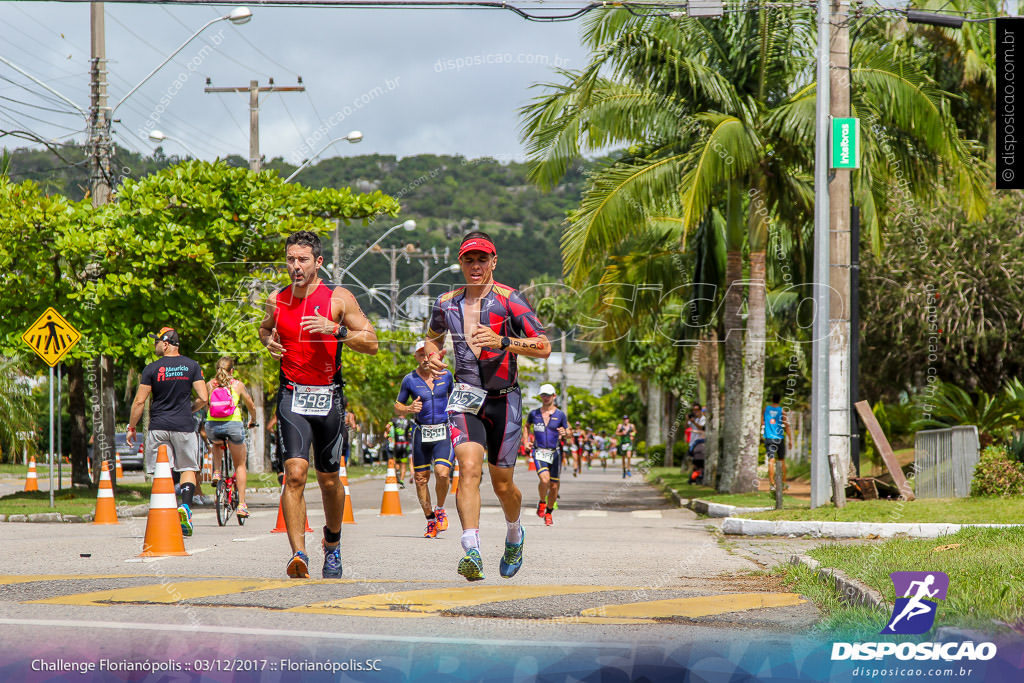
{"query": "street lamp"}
{"type": "Point", "coordinates": [353, 137]}
{"type": "Point", "coordinates": [159, 136]}
{"type": "Point", "coordinates": [409, 226]}
{"type": "Point", "coordinates": [238, 16]}
{"type": "Point", "coordinates": [453, 268]}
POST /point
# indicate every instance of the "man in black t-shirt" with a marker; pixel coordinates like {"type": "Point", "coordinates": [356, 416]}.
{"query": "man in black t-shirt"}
{"type": "Point", "coordinates": [170, 381]}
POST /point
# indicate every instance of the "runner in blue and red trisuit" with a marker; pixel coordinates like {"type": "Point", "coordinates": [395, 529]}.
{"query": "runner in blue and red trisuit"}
{"type": "Point", "coordinates": [490, 325]}
{"type": "Point", "coordinates": [306, 325]}
{"type": "Point", "coordinates": [431, 443]}
{"type": "Point", "coordinates": [546, 425]}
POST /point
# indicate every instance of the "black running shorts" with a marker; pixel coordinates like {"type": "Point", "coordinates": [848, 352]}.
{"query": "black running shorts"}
{"type": "Point", "coordinates": [498, 428]}
{"type": "Point", "coordinates": [326, 433]}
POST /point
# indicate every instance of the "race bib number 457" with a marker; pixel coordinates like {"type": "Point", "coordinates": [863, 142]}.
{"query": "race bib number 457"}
{"type": "Point", "coordinates": [465, 398]}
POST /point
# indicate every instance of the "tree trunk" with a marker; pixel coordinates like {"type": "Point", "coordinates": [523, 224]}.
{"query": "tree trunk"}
{"type": "Point", "coordinates": [733, 418]}
{"type": "Point", "coordinates": [655, 414]}
{"type": "Point", "coordinates": [709, 360]}
{"type": "Point", "coordinates": [670, 435]}
{"type": "Point", "coordinates": [79, 425]}
{"type": "Point", "coordinates": [753, 376]}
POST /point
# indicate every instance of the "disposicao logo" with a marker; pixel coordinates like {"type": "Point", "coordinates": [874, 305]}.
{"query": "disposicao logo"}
{"type": "Point", "coordinates": [914, 610]}
{"type": "Point", "coordinates": [913, 613]}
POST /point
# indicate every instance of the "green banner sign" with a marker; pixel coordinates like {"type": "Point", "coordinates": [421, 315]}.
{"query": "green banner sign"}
{"type": "Point", "coordinates": [845, 143]}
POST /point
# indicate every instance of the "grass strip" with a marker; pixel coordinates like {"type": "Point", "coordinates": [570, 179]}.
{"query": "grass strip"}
{"type": "Point", "coordinates": [985, 569]}
{"type": "Point", "coordinates": [70, 501]}
{"type": "Point", "coordinates": [948, 510]}
{"type": "Point", "coordinates": [672, 478]}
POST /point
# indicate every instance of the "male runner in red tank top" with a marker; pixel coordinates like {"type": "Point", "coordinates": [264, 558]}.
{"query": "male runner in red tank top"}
{"type": "Point", "coordinates": [306, 325]}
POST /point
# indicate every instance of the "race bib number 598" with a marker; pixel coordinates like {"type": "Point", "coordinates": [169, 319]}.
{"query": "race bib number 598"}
{"type": "Point", "coordinates": [312, 400]}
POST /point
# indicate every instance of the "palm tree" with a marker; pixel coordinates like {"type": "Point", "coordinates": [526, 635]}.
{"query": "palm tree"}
{"type": "Point", "coordinates": [721, 113]}
{"type": "Point", "coordinates": [16, 405]}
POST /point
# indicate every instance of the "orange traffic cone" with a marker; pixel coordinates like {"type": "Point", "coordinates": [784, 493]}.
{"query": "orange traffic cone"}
{"type": "Point", "coordinates": [281, 526]}
{"type": "Point", "coordinates": [390, 505]}
{"type": "Point", "coordinates": [455, 479]}
{"type": "Point", "coordinates": [346, 517]}
{"type": "Point", "coordinates": [163, 528]}
{"type": "Point", "coordinates": [31, 480]}
{"type": "Point", "coordinates": [106, 512]}
{"type": "Point", "coordinates": [533, 465]}
{"type": "Point", "coordinates": [117, 467]}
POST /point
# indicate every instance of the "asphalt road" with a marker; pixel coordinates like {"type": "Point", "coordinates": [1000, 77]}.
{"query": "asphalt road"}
{"type": "Point", "coordinates": [620, 572]}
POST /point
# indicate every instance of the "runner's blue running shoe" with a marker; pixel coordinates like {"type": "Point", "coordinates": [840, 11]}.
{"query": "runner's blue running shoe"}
{"type": "Point", "coordinates": [471, 566]}
{"type": "Point", "coordinates": [298, 566]}
{"type": "Point", "coordinates": [185, 517]}
{"type": "Point", "coordinates": [332, 561]}
{"type": "Point", "coordinates": [512, 560]}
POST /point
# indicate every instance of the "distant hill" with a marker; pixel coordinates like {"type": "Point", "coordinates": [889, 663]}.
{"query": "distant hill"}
{"type": "Point", "coordinates": [445, 195]}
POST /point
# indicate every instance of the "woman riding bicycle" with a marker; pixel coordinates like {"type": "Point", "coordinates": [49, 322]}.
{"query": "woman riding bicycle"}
{"type": "Point", "coordinates": [224, 423]}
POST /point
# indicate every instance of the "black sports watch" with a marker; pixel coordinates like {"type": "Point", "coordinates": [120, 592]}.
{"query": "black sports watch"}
{"type": "Point", "coordinates": [505, 343]}
{"type": "Point", "coordinates": [341, 332]}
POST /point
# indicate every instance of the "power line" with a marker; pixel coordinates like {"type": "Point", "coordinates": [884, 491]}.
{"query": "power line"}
{"type": "Point", "coordinates": [37, 119]}
{"type": "Point", "coordinates": [289, 112]}
{"type": "Point", "coordinates": [39, 106]}
{"type": "Point", "coordinates": [241, 34]}
{"type": "Point", "coordinates": [224, 54]}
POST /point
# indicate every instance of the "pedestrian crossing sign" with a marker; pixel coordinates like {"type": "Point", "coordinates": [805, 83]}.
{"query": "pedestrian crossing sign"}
{"type": "Point", "coordinates": [51, 336]}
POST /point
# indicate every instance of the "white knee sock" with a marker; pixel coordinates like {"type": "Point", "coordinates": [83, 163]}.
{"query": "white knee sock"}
{"type": "Point", "coordinates": [470, 539]}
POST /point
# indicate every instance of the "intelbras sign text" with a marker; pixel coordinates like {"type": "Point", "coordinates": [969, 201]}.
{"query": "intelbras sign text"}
{"type": "Point", "coordinates": [845, 143]}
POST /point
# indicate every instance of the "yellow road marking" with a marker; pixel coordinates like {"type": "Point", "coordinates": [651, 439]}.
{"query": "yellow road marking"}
{"type": "Point", "coordinates": [7, 579]}
{"type": "Point", "coordinates": [694, 607]}
{"type": "Point", "coordinates": [169, 592]}
{"type": "Point", "coordinates": [429, 602]}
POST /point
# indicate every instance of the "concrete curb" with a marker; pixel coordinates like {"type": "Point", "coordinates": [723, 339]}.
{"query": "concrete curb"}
{"type": "Point", "coordinates": [850, 590]}
{"type": "Point", "coordinates": [739, 526]}
{"type": "Point", "coordinates": [61, 518]}
{"type": "Point", "coordinates": [710, 509]}
{"type": "Point", "coordinates": [705, 507]}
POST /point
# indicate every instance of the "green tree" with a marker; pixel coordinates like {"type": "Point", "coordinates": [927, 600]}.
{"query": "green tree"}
{"type": "Point", "coordinates": [16, 407]}
{"type": "Point", "coordinates": [194, 247]}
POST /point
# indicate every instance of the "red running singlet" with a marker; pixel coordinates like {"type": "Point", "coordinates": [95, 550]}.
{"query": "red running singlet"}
{"type": "Point", "coordinates": [309, 357]}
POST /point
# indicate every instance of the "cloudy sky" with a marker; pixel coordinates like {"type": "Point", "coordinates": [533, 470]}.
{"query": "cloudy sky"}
{"type": "Point", "coordinates": [413, 81]}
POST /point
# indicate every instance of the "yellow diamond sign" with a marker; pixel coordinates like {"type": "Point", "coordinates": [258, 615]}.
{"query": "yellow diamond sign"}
{"type": "Point", "coordinates": [51, 336]}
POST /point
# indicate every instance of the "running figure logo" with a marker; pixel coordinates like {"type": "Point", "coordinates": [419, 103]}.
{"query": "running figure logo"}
{"type": "Point", "coordinates": [915, 607]}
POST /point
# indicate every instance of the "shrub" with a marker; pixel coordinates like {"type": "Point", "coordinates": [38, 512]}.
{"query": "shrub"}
{"type": "Point", "coordinates": [997, 475]}
{"type": "Point", "coordinates": [656, 454]}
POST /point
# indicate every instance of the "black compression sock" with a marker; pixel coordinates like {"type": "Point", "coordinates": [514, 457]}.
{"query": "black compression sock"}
{"type": "Point", "coordinates": [187, 491]}
{"type": "Point", "coordinates": [332, 537]}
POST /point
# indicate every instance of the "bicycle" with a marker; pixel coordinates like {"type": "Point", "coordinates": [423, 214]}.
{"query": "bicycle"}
{"type": "Point", "coordinates": [227, 499]}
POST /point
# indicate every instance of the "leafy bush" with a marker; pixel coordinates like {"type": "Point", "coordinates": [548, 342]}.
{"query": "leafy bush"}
{"type": "Point", "coordinates": [1015, 447]}
{"type": "Point", "coordinates": [997, 475]}
{"type": "Point", "coordinates": [656, 453]}
{"type": "Point", "coordinates": [948, 405]}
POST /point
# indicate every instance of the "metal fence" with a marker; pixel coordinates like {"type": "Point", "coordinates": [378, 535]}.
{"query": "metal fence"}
{"type": "Point", "coordinates": [944, 461]}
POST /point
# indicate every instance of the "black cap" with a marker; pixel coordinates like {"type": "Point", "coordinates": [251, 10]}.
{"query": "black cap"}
{"type": "Point", "coordinates": [167, 334]}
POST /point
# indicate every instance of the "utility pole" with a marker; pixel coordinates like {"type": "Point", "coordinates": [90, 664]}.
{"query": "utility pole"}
{"type": "Point", "coordinates": [393, 255]}
{"type": "Point", "coordinates": [839, 251]}
{"type": "Point", "coordinates": [257, 453]}
{"type": "Point", "coordinates": [820, 345]}
{"type": "Point", "coordinates": [254, 89]}
{"type": "Point", "coordinates": [99, 153]}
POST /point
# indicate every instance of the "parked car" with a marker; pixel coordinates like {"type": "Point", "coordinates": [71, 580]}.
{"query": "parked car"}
{"type": "Point", "coordinates": [131, 456]}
